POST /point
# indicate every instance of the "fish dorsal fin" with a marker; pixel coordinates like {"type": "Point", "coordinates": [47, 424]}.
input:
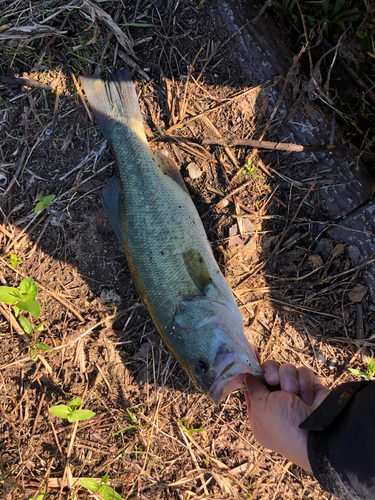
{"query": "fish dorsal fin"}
{"type": "Point", "coordinates": [111, 199]}
{"type": "Point", "coordinates": [169, 167]}
{"type": "Point", "coordinates": [198, 271]}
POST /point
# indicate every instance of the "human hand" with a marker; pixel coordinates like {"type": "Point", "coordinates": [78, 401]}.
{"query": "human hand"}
{"type": "Point", "coordinates": [275, 416]}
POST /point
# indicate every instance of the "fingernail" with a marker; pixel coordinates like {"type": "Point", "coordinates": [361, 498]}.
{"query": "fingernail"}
{"type": "Point", "coordinates": [290, 385]}
{"type": "Point", "coordinates": [272, 376]}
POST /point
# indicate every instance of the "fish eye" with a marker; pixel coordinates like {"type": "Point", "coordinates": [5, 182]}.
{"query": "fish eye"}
{"type": "Point", "coordinates": [200, 368]}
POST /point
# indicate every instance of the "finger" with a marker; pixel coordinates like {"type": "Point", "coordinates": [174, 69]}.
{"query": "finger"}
{"type": "Point", "coordinates": [320, 393]}
{"type": "Point", "coordinates": [288, 378]}
{"type": "Point", "coordinates": [305, 384]}
{"type": "Point", "coordinates": [271, 370]}
{"type": "Point", "coordinates": [258, 392]}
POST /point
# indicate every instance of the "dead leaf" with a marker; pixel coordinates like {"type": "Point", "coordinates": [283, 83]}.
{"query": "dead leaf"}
{"type": "Point", "coordinates": [358, 292]}
{"type": "Point", "coordinates": [337, 251]}
{"type": "Point", "coordinates": [315, 260]}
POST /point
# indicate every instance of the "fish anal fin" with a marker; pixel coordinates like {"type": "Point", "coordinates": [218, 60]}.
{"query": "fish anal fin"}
{"type": "Point", "coordinates": [112, 201]}
{"type": "Point", "coordinates": [169, 167]}
{"type": "Point", "coordinates": [198, 271]}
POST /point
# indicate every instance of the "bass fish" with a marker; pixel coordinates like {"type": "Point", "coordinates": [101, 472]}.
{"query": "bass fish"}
{"type": "Point", "coordinates": [168, 253]}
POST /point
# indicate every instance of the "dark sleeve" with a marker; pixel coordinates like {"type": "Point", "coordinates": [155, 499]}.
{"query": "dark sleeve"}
{"type": "Point", "coordinates": [341, 441]}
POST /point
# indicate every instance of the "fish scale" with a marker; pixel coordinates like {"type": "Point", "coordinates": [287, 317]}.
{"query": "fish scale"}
{"type": "Point", "coordinates": [166, 246]}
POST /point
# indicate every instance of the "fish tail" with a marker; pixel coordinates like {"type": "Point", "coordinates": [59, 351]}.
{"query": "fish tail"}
{"type": "Point", "coordinates": [114, 101]}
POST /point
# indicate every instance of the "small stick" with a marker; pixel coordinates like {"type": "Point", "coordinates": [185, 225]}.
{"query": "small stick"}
{"type": "Point", "coordinates": [77, 86]}
{"type": "Point", "coordinates": [211, 110]}
{"type": "Point", "coordinates": [38, 413]}
{"type": "Point", "coordinates": [286, 146]}
{"type": "Point", "coordinates": [327, 46]}
{"type": "Point", "coordinates": [26, 82]}
{"type": "Point", "coordinates": [72, 342]}
{"type": "Point", "coordinates": [53, 294]}
{"type": "Point", "coordinates": [18, 171]}
{"type": "Point", "coordinates": [359, 322]}
{"type": "Point", "coordinates": [35, 246]}
{"type": "Point", "coordinates": [55, 434]}
{"type": "Point", "coordinates": [12, 320]}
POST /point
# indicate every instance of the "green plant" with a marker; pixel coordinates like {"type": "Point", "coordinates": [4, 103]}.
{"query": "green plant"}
{"type": "Point", "coordinates": [333, 14]}
{"type": "Point", "coordinates": [40, 496]}
{"type": "Point", "coordinates": [44, 202]}
{"type": "Point", "coordinates": [133, 419]}
{"type": "Point", "coordinates": [104, 491]}
{"type": "Point", "coordinates": [14, 260]}
{"type": "Point", "coordinates": [370, 375]}
{"type": "Point", "coordinates": [70, 413]}
{"type": "Point", "coordinates": [189, 431]}
{"type": "Point", "coordinates": [24, 299]}
{"type": "Point", "coordinates": [251, 170]}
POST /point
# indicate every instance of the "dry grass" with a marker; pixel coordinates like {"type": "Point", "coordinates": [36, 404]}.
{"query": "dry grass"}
{"type": "Point", "coordinates": [294, 295]}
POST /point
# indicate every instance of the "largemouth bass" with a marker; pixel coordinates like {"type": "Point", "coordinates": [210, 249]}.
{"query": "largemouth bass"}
{"type": "Point", "coordinates": [169, 255]}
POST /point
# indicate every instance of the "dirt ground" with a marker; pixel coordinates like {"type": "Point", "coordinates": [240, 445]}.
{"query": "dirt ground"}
{"type": "Point", "coordinates": [301, 293]}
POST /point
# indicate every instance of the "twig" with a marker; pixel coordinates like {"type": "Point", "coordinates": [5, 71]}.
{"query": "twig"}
{"type": "Point", "coordinates": [38, 413]}
{"type": "Point", "coordinates": [77, 86]}
{"type": "Point", "coordinates": [18, 171]}
{"type": "Point", "coordinates": [285, 146]}
{"type": "Point", "coordinates": [115, 316]}
{"type": "Point", "coordinates": [35, 246]}
{"type": "Point", "coordinates": [50, 292]}
{"type": "Point", "coordinates": [211, 110]}
{"type": "Point", "coordinates": [368, 92]}
{"type": "Point", "coordinates": [12, 320]}
{"type": "Point", "coordinates": [26, 82]}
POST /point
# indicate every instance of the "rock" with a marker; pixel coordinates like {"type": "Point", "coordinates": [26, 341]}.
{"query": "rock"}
{"type": "Point", "coordinates": [194, 171]}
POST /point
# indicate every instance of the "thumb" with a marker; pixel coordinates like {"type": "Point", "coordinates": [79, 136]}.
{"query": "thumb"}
{"type": "Point", "coordinates": [257, 391]}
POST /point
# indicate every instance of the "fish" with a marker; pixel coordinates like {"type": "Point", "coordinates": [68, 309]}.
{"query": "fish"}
{"type": "Point", "coordinates": [168, 253]}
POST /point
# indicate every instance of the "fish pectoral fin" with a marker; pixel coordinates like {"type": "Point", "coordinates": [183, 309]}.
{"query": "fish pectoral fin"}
{"type": "Point", "coordinates": [169, 167]}
{"type": "Point", "coordinates": [198, 271]}
{"type": "Point", "coordinates": [111, 199]}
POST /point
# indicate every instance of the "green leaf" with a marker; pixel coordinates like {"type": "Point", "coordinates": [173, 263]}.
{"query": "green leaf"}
{"type": "Point", "coordinates": [39, 207]}
{"type": "Point", "coordinates": [341, 24]}
{"type": "Point", "coordinates": [40, 496]}
{"type": "Point", "coordinates": [75, 402]}
{"type": "Point", "coordinates": [61, 411]}
{"type": "Point", "coordinates": [338, 6]}
{"type": "Point", "coordinates": [33, 355]}
{"type": "Point", "coordinates": [28, 289]}
{"type": "Point", "coordinates": [40, 327]}
{"type": "Point", "coordinates": [89, 484]}
{"type": "Point", "coordinates": [14, 260]}
{"type": "Point", "coordinates": [47, 199]}
{"type": "Point", "coordinates": [32, 306]}
{"type": "Point", "coordinates": [10, 295]}
{"type": "Point", "coordinates": [371, 365]}
{"type": "Point", "coordinates": [78, 415]}
{"type": "Point", "coordinates": [108, 493]}
{"type": "Point", "coordinates": [359, 373]}
{"type": "Point", "coordinates": [26, 326]}
{"type": "Point", "coordinates": [132, 416]}
{"type": "Point", "coordinates": [126, 429]}
{"type": "Point", "coordinates": [42, 347]}
{"type": "Point", "coordinates": [105, 478]}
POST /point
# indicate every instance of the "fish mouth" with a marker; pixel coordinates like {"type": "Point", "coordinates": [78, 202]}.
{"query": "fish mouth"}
{"type": "Point", "coordinates": [231, 374]}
